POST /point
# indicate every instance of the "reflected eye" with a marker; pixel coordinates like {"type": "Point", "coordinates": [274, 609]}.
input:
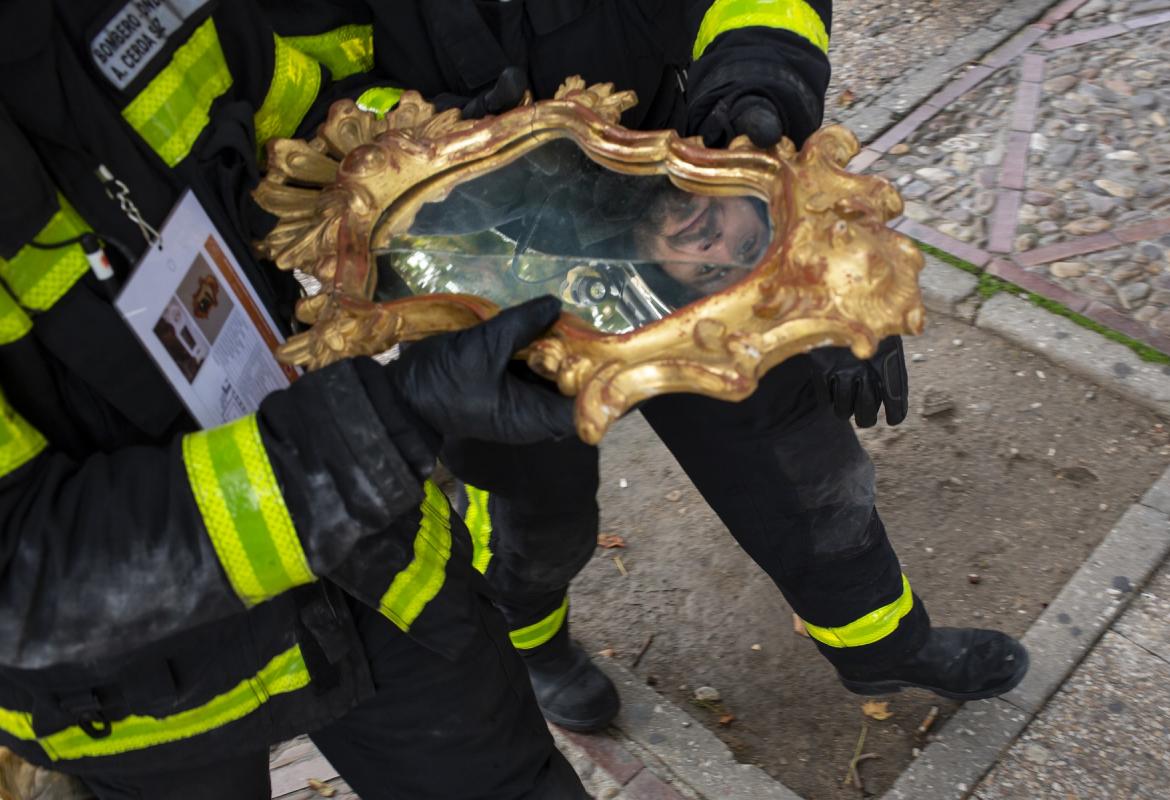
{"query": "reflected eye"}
{"type": "Point", "coordinates": [748, 248]}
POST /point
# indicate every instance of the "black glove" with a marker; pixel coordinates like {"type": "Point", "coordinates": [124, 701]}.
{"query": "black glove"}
{"type": "Point", "coordinates": [760, 82]}
{"type": "Point", "coordinates": [859, 388]}
{"type": "Point", "coordinates": [503, 95]}
{"type": "Point", "coordinates": [460, 385]}
{"type": "Point", "coordinates": [731, 117]}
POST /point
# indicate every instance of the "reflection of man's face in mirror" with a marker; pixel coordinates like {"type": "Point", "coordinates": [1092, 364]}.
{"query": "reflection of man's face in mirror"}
{"type": "Point", "coordinates": [705, 243]}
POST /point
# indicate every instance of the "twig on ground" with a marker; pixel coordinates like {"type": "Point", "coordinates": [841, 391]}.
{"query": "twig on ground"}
{"type": "Point", "coordinates": [617, 562]}
{"type": "Point", "coordinates": [851, 775]}
{"type": "Point", "coordinates": [642, 652]}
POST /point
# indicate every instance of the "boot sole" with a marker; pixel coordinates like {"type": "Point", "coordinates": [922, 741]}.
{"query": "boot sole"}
{"type": "Point", "coordinates": [595, 725]}
{"type": "Point", "coordinates": [871, 688]}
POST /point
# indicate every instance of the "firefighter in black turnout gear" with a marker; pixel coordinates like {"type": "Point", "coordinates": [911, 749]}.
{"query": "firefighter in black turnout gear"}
{"type": "Point", "coordinates": [783, 469]}
{"type": "Point", "coordinates": [175, 600]}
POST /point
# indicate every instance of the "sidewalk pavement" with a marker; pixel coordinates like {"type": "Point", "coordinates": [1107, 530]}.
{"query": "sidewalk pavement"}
{"type": "Point", "coordinates": [1044, 163]}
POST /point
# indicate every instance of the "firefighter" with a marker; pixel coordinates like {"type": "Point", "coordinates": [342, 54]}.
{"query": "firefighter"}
{"type": "Point", "coordinates": [783, 469]}
{"type": "Point", "coordinates": [173, 600]}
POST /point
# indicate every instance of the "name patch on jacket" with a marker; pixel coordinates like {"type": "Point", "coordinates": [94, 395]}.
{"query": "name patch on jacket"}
{"type": "Point", "coordinates": [136, 34]}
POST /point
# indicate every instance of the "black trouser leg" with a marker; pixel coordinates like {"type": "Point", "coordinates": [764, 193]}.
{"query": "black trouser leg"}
{"type": "Point", "coordinates": [796, 489]}
{"type": "Point", "coordinates": [242, 778]}
{"type": "Point", "coordinates": [434, 730]}
{"type": "Point", "coordinates": [540, 504]}
{"type": "Point", "coordinates": [439, 730]}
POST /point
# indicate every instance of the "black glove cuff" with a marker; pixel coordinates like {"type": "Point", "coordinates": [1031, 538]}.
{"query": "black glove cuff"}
{"type": "Point", "coordinates": [417, 442]}
{"type": "Point", "coordinates": [342, 476]}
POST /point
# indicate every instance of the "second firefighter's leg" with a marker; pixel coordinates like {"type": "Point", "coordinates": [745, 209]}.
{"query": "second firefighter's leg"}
{"type": "Point", "coordinates": [532, 514]}
{"type": "Point", "coordinates": [796, 489]}
{"type": "Point", "coordinates": [439, 728]}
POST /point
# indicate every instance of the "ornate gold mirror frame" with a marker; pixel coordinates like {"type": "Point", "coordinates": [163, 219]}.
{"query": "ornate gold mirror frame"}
{"type": "Point", "coordinates": [833, 273]}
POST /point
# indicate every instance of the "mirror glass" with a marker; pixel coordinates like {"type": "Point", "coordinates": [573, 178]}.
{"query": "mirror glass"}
{"type": "Point", "coordinates": [619, 250]}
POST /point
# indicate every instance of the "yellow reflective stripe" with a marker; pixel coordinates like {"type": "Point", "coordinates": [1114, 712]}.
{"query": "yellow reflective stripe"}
{"type": "Point", "coordinates": [540, 632]}
{"type": "Point", "coordinates": [296, 79]}
{"type": "Point", "coordinates": [39, 277]}
{"type": "Point", "coordinates": [175, 106]}
{"type": "Point", "coordinates": [14, 323]}
{"type": "Point", "coordinates": [379, 99]}
{"type": "Point", "coordinates": [423, 577]}
{"type": "Point", "coordinates": [19, 441]}
{"type": "Point", "coordinates": [796, 16]}
{"type": "Point", "coordinates": [873, 626]}
{"type": "Point", "coordinates": [346, 51]}
{"type": "Point", "coordinates": [17, 724]}
{"type": "Point", "coordinates": [244, 511]}
{"type": "Point", "coordinates": [479, 525]}
{"type": "Point", "coordinates": [284, 673]}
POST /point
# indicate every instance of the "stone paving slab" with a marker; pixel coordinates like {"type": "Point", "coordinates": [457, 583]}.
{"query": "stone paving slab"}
{"type": "Point", "coordinates": [1146, 622]}
{"type": "Point", "coordinates": [1103, 736]}
{"type": "Point", "coordinates": [1078, 349]}
{"type": "Point", "coordinates": [961, 753]}
{"type": "Point", "coordinates": [1090, 602]}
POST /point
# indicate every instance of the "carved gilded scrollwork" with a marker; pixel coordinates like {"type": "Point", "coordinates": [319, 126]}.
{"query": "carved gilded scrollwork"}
{"type": "Point", "coordinates": [833, 272]}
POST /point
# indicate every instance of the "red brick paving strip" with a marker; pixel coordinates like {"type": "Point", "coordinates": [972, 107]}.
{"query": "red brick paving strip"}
{"type": "Point", "coordinates": [1032, 68]}
{"type": "Point", "coordinates": [1061, 11]}
{"type": "Point", "coordinates": [1143, 230]}
{"type": "Point", "coordinates": [1073, 247]}
{"type": "Point", "coordinates": [1009, 50]}
{"type": "Point", "coordinates": [1004, 220]}
{"type": "Point", "coordinates": [1027, 106]}
{"type": "Point", "coordinates": [1014, 171]}
{"type": "Point", "coordinates": [924, 233]}
{"type": "Point", "coordinates": [863, 160]}
{"type": "Point", "coordinates": [1112, 318]}
{"type": "Point", "coordinates": [1002, 268]}
{"type": "Point", "coordinates": [646, 786]}
{"type": "Point", "coordinates": [1146, 20]}
{"type": "Point", "coordinates": [1083, 37]}
{"type": "Point", "coordinates": [907, 126]}
{"type": "Point", "coordinates": [960, 86]}
{"type": "Point", "coordinates": [607, 754]}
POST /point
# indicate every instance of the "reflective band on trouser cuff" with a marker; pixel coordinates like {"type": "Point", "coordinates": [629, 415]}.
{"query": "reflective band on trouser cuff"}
{"type": "Point", "coordinates": [789, 15]}
{"type": "Point", "coordinates": [345, 51]}
{"type": "Point", "coordinates": [872, 627]}
{"type": "Point", "coordinates": [479, 525]}
{"type": "Point", "coordinates": [538, 633]}
{"type": "Point", "coordinates": [244, 511]}
{"type": "Point", "coordinates": [423, 577]}
{"type": "Point", "coordinates": [379, 100]}
{"type": "Point", "coordinates": [19, 441]}
{"type": "Point", "coordinates": [38, 276]}
{"type": "Point", "coordinates": [17, 724]}
{"type": "Point", "coordinates": [284, 673]}
{"type": "Point", "coordinates": [174, 108]}
{"type": "Point", "coordinates": [296, 79]}
{"type": "Point", "coordinates": [14, 323]}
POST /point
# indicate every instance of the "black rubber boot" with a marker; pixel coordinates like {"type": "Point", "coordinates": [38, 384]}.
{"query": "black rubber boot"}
{"type": "Point", "coordinates": [571, 690]}
{"type": "Point", "coordinates": [958, 663]}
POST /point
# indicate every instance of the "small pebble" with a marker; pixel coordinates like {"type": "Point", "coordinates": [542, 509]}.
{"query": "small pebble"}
{"type": "Point", "coordinates": [917, 357]}
{"type": "Point", "coordinates": [623, 483]}
{"type": "Point", "coordinates": [757, 647]}
{"type": "Point", "coordinates": [707, 694]}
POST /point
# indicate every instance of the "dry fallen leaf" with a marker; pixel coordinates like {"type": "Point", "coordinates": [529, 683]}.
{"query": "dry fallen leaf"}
{"type": "Point", "coordinates": [608, 652]}
{"type": "Point", "coordinates": [610, 541]}
{"type": "Point", "coordinates": [726, 719]}
{"type": "Point", "coordinates": [846, 98]}
{"type": "Point", "coordinates": [798, 626]}
{"type": "Point", "coordinates": [322, 788]}
{"type": "Point", "coordinates": [876, 709]}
